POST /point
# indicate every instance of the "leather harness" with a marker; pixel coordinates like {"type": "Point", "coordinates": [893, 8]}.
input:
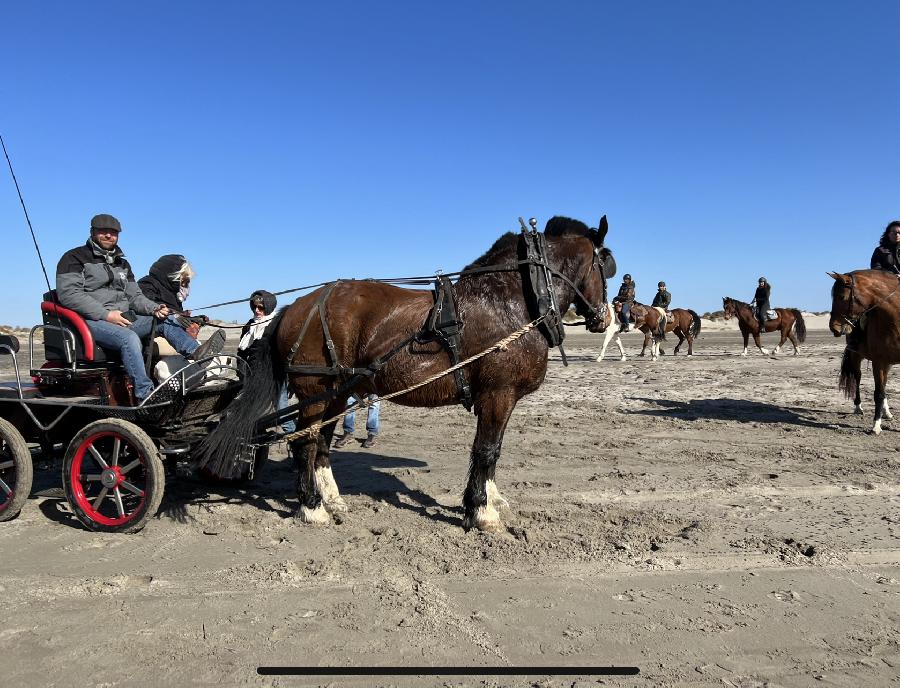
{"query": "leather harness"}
{"type": "Point", "coordinates": [443, 324]}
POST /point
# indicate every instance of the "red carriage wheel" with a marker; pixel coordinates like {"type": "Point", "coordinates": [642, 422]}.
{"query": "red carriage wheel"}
{"type": "Point", "coordinates": [16, 471]}
{"type": "Point", "coordinates": [113, 476]}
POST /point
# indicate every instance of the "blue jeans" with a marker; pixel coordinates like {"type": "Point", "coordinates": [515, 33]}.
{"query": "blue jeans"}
{"type": "Point", "coordinates": [177, 336]}
{"type": "Point", "coordinates": [291, 425]}
{"type": "Point", "coordinates": [127, 341]}
{"type": "Point", "coordinates": [626, 312]}
{"type": "Point", "coordinates": [373, 418]}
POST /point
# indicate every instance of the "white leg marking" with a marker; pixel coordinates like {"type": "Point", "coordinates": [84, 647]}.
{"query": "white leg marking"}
{"type": "Point", "coordinates": [495, 499]}
{"type": "Point", "coordinates": [488, 520]}
{"type": "Point", "coordinates": [764, 351]}
{"type": "Point", "coordinates": [744, 352]}
{"type": "Point", "coordinates": [876, 429]}
{"type": "Point", "coordinates": [331, 496]}
{"type": "Point", "coordinates": [316, 517]}
{"type": "Point", "coordinates": [886, 411]}
{"type": "Point", "coordinates": [776, 350]}
{"type": "Point", "coordinates": [857, 409]}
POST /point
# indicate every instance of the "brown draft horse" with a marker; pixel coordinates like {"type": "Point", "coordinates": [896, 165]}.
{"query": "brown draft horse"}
{"type": "Point", "coordinates": [789, 322]}
{"type": "Point", "coordinates": [685, 323]}
{"type": "Point", "coordinates": [369, 319]}
{"type": "Point", "coordinates": [865, 306]}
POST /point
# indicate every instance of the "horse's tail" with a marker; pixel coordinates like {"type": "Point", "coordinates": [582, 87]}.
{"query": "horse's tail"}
{"type": "Point", "coordinates": [848, 382]}
{"type": "Point", "coordinates": [695, 324]}
{"type": "Point", "coordinates": [799, 325]}
{"type": "Point", "coordinates": [661, 328]}
{"type": "Point", "coordinates": [220, 451]}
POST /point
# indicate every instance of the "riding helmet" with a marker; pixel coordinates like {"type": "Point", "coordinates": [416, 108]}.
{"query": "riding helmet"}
{"type": "Point", "coordinates": [762, 279]}
{"type": "Point", "coordinates": [661, 284]}
{"type": "Point", "coordinates": [104, 221]}
{"type": "Point", "coordinates": [626, 276]}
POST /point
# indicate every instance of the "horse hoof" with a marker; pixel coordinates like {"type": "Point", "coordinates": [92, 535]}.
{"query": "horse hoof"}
{"type": "Point", "coordinates": [623, 359]}
{"type": "Point", "coordinates": [315, 517]}
{"type": "Point", "coordinates": [336, 506]}
{"type": "Point", "coordinates": [486, 519]}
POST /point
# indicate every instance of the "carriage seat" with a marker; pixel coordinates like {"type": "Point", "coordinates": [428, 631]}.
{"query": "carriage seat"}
{"type": "Point", "coordinates": [58, 320]}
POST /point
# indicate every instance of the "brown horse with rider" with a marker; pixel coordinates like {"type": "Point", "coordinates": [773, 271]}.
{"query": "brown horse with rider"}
{"type": "Point", "coordinates": [684, 322]}
{"type": "Point", "coordinates": [787, 321]}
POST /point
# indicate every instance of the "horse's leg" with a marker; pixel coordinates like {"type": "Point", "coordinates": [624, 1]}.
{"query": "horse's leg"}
{"type": "Point", "coordinates": [325, 482]}
{"type": "Point", "coordinates": [746, 334]}
{"type": "Point", "coordinates": [756, 340]}
{"type": "Point", "coordinates": [784, 337]}
{"type": "Point", "coordinates": [646, 341]}
{"type": "Point", "coordinates": [681, 339]}
{"type": "Point", "coordinates": [857, 375]}
{"type": "Point", "coordinates": [311, 510]}
{"type": "Point", "coordinates": [654, 349]}
{"type": "Point", "coordinates": [880, 373]}
{"type": "Point", "coordinates": [794, 338]}
{"type": "Point", "coordinates": [493, 415]}
{"type": "Point", "coordinates": [608, 335]}
{"type": "Point", "coordinates": [887, 410]}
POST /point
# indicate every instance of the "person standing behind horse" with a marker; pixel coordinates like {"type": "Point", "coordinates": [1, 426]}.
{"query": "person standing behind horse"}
{"type": "Point", "coordinates": [626, 298]}
{"type": "Point", "coordinates": [262, 305]}
{"type": "Point", "coordinates": [662, 299]}
{"type": "Point", "coordinates": [761, 301]}
{"type": "Point", "coordinates": [887, 253]}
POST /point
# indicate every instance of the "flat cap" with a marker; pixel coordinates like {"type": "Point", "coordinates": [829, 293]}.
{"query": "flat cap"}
{"type": "Point", "coordinates": [104, 221]}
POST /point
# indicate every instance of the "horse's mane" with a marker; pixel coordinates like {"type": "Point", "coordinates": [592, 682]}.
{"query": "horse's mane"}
{"type": "Point", "coordinates": [736, 302]}
{"type": "Point", "coordinates": [557, 226]}
{"type": "Point", "coordinates": [501, 247]}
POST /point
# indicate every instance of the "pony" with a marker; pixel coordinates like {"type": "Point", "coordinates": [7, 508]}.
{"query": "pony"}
{"type": "Point", "coordinates": [788, 321]}
{"type": "Point", "coordinates": [866, 309]}
{"type": "Point", "coordinates": [685, 323]}
{"type": "Point", "coordinates": [646, 319]}
{"type": "Point", "coordinates": [371, 325]}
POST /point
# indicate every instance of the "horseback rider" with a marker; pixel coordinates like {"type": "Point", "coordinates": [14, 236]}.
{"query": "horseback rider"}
{"type": "Point", "coordinates": [662, 299]}
{"type": "Point", "coordinates": [96, 281]}
{"type": "Point", "coordinates": [761, 301]}
{"type": "Point", "coordinates": [625, 297]}
{"type": "Point", "coordinates": [887, 253]}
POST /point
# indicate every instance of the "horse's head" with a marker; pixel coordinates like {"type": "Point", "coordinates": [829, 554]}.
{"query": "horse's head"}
{"type": "Point", "coordinates": [846, 306]}
{"type": "Point", "coordinates": [729, 305]}
{"type": "Point", "coordinates": [586, 265]}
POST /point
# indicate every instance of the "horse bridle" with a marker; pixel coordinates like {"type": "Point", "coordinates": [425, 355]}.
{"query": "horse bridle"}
{"type": "Point", "coordinates": [597, 314]}
{"type": "Point", "coordinates": [850, 319]}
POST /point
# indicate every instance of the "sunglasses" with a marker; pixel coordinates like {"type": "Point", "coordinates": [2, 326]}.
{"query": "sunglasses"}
{"type": "Point", "coordinates": [257, 307]}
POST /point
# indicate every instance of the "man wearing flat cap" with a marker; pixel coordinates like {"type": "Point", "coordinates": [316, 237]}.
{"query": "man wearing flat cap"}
{"type": "Point", "coordinates": [96, 281]}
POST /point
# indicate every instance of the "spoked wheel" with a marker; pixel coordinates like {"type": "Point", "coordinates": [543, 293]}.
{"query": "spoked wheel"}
{"type": "Point", "coordinates": [113, 476]}
{"type": "Point", "coordinates": [16, 471]}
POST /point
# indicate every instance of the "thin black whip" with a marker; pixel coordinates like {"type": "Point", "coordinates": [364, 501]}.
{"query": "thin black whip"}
{"type": "Point", "coordinates": [27, 219]}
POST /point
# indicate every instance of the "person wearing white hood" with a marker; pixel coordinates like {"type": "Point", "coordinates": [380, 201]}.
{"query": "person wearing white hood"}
{"type": "Point", "coordinates": [263, 304]}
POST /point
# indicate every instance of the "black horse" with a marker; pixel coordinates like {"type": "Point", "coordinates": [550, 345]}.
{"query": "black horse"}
{"type": "Point", "coordinates": [372, 322]}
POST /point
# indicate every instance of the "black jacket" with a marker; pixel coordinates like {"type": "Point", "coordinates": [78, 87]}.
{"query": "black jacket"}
{"type": "Point", "coordinates": [626, 293]}
{"type": "Point", "coordinates": [159, 286]}
{"type": "Point", "coordinates": [886, 257]}
{"type": "Point", "coordinates": [662, 299]}
{"type": "Point", "coordinates": [761, 297]}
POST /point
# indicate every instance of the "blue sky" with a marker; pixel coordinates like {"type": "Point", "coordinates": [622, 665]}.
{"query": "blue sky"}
{"type": "Point", "coordinates": [286, 143]}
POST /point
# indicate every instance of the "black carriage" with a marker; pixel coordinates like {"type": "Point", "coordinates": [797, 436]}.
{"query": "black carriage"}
{"type": "Point", "coordinates": [79, 403]}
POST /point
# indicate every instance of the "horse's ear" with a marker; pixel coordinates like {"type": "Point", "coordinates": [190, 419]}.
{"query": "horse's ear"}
{"type": "Point", "coordinates": [602, 229]}
{"type": "Point", "coordinates": [837, 276]}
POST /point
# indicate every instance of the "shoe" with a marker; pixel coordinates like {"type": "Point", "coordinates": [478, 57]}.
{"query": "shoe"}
{"type": "Point", "coordinates": [343, 440]}
{"type": "Point", "coordinates": [210, 347]}
{"type": "Point", "coordinates": [370, 441]}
